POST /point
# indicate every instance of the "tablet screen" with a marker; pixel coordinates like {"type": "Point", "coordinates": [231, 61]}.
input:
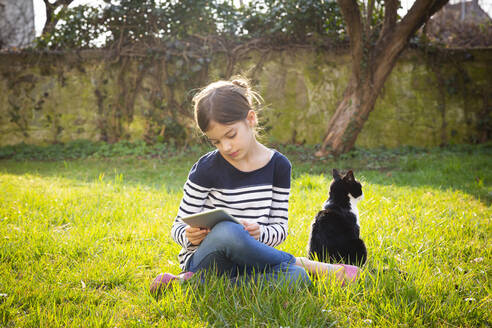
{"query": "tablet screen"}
{"type": "Point", "coordinates": [208, 219]}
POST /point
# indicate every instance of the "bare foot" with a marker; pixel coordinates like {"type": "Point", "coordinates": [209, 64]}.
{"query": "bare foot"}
{"type": "Point", "coordinates": [340, 273]}
{"type": "Point", "coordinates": [322, 269]}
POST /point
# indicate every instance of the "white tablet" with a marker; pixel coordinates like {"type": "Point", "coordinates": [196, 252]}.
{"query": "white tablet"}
{"type": "Point", "coordinates": [208, 219]}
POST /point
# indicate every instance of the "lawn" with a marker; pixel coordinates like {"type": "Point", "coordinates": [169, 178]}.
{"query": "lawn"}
{"type": "Point", "coordinates": [81, 240]}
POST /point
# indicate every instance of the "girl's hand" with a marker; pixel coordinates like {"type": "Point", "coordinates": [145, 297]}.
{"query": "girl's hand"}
{"type": "Point", "coordinates": [252, 228]}
{"type": "Point", "coordinates": [196, 235]}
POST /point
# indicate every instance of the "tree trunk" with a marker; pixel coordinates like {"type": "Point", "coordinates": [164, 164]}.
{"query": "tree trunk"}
{"type": "Point", "coordinates": [51, 19]}
{"type": "Point", "coordinates": [353, 111]}
{"type": "Point", "coordinates": [358, 101]}
{"type": "Point", "coordinates": [347, 122]}
{"type": "Point", "coordinates": [371, 66]}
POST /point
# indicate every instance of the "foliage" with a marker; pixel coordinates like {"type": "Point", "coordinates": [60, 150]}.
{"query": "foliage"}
{"type": "Point", "coordinates": [144, 21]}
{"type": "Point", "coordinates": [293, 20]}
{"type": "Point", "coordinates": [77, 27]}
{"type": "Point", "coordinates": [82, 239]}
{"type": "Point", "coordinates": [150, 22]}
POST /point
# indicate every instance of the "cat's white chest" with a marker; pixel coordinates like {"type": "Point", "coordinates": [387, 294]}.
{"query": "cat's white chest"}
{"type": "Point", "coordinates": [353, 206]}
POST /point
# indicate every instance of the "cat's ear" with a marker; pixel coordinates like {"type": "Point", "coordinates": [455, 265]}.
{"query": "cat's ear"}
{"type": "Point", "coordinates": [349, 176]}
{"type": "Point", "coordinates": [336, 175]}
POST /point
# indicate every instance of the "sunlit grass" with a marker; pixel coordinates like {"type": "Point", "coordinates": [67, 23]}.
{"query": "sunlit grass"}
{"type": "Point", "coordinates": [80, 241]}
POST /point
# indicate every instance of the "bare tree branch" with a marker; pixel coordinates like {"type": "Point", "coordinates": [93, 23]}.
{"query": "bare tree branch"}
{"type": "Point", "coordinates": [351, 14]}
{"type": "Point", "coordinates": [376, 61]}
{"type": "Point", "coordinates": [50, 13]}
{"type": "Point", "coordinates": [370, 9]}
{"type": "Point", "coordinates": [418, 14]}
{"type": "Point", "coordinates": [394, 40]}
{"type": "Point", "coordinates": [390, 14]}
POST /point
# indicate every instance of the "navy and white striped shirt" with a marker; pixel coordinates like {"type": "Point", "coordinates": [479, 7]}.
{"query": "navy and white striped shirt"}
{"type": "Point", "coordinates": [261, 196]}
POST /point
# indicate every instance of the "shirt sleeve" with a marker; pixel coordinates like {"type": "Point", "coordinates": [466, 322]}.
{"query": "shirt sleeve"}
{"type": "Point", "coordinates": [193, 201]}
{"type": "Point", "coordinates": [276, 231]}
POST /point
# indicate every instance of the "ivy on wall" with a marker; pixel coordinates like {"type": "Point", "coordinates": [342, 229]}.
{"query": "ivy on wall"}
{"type": "Point", "coordinates": [152, 55]}
{"type": "Point", "coordinates": [57, 98]}
{"type": "Point", "coordinates": [454, 79]}
{"type": "Point", "coordinates": [172, 44]}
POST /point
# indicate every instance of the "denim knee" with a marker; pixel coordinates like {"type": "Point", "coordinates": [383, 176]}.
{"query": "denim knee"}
{"type": "Point", "coordinates": [227, 235]}
{"type": "Point", "coordinates": [292, 274]}
{"type": "Point", "coordinates": [298, 274]}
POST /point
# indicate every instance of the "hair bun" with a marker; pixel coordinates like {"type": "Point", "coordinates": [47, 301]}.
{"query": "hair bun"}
{"type": "Point", "coordinates": [241, 83]}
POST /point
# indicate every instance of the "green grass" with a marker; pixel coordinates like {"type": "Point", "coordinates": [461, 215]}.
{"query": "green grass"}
{"type": "Point", "coordinates": [80, 241]}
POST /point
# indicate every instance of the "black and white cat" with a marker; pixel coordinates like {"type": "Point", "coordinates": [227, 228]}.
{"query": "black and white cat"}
{"type": "Point", "coordinates": [335, 230]}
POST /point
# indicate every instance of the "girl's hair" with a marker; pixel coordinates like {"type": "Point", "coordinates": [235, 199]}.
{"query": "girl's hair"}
{"type": "Point", "coordinates": [225, 102]}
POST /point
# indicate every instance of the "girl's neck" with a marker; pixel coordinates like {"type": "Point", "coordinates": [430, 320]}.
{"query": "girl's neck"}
{"type": "Point", "coordinates": [257, 157]}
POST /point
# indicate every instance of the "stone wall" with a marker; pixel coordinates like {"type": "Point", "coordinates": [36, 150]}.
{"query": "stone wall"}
{"type": "Point", "coordinates": [427, 100]}
{"type": "Point", "coordinates": [16, 23]}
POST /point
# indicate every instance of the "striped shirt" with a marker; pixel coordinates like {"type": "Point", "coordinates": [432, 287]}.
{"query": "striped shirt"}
{"type": "Point", "coordinates": [260, 196]}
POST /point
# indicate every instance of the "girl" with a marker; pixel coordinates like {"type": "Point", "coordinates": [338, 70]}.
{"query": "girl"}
{"type": "Point", "coordinates": [252, 183]}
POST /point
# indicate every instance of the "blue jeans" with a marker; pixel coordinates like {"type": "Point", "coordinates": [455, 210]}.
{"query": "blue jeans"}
{"type": "Point", "coordinates": [229, 249]}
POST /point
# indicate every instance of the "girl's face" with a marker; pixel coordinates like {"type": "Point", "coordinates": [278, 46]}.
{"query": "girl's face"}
{"type": "Point", "coordinates": [234, 141]}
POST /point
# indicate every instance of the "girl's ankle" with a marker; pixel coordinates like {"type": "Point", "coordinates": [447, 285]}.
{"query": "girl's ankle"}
{"type": "Point", "coordinates": [340, 273]}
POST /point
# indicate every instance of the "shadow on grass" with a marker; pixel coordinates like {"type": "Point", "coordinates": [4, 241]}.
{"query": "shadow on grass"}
{"type": "Point", "coordinates": [465, 168]}
{"type": "Point", "coordinates": [169, 174]}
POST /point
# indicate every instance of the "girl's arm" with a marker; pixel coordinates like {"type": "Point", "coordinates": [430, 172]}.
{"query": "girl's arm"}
{"type": "Point", "coordinates": [193, 201]}
{"type": "Point", "coordinates": [273, 234]}
{"type": "Point", "coordinates": [275, 231]}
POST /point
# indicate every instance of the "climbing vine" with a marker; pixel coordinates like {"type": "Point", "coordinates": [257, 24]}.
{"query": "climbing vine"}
{"type": "Point", "coordinates": [172, 43]}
